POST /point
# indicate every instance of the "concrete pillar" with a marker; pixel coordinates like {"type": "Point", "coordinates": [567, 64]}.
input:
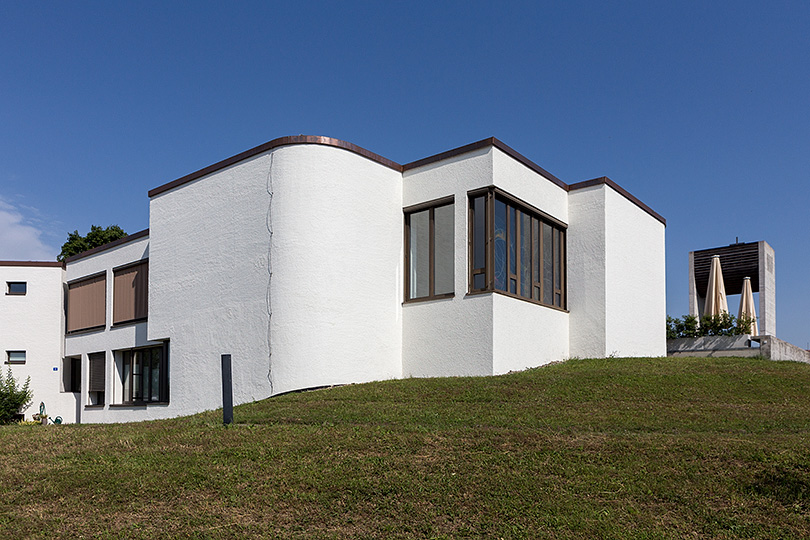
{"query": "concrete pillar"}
{"type": "Point", "coordinates": [767, 289]}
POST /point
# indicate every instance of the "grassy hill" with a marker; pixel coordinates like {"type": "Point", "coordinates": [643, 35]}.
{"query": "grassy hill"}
{"type": "Point", "coordinates": [612, 448]}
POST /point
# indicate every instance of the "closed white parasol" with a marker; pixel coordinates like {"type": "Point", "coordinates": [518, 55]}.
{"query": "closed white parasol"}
{"type": "Point", "coordinates": [747, 306]}
{"type": "Point", "coordinates": [716, 292]}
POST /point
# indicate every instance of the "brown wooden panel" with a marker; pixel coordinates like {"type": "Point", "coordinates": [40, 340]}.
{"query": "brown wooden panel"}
{"type": "Point", "coordinates": [737, 261]}
{"type": "Point", "coordinates": [97, 372]}
{"type": "Point", "coordinates": [131, 293]}
{"type": "Point", "coordinates": [87, 303]}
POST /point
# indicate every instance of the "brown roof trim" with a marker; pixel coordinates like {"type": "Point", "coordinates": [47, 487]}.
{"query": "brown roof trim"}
{"type": "Point", "coordinates": [32, 263]}
{"type": "Point", "coordinates": [626, 194]}
{"type": "Point", "coordinates": [276, 143]}
{"type": "Point", "coordinates": [337, 143]}
{"type": "Point", "coordinates": [484, 143]}
{"type": "Point", "coordinates": [114, 243]}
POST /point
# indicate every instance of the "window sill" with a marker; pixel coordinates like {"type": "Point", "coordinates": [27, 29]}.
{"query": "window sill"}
{"type": "Point", "coordinates": [86, 330]}
{"type": "Point", "coordinates": [128, 323]}
{"type": "Point", "coordinates": [14, 363]}
{"type": "Point", "coordinates": [518, 297]}
{"type": "Point", "coordinates": [429, 298]}
{"type": "Point", "coordinates": [15, 294]}
{"type": "Point", "coordinates": [94, 406]}
{"type": "Point", "coordinates": [137, 404]}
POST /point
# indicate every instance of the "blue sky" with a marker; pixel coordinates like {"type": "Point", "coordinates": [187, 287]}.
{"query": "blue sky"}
{"type": "Point", "coordinates": [700, 109]}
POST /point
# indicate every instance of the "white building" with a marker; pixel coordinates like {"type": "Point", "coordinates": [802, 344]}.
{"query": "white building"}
{"type": "Point", "coordinates": [315, 262]}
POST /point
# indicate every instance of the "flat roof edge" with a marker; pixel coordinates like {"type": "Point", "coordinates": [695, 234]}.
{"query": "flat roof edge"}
{"type": "Point", "coordinates": [33, 263]}
{"type": "Point", "coordinates": [276, 143]}
{"type": "Point", "coordinates": [604, 180]}
{"type": "Point", "coordinates": [115, 243]}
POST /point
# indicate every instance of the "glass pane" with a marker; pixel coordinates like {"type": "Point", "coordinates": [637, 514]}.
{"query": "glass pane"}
{"type": "Point", "coordinates": [155, 371]}
{"type": "Point", "coordinates": [126, 377]}
{"type": "Point", "coordinates": [537, 293]}
{"type": "Point", "coordinates": [17, 287]}
{"type": "Point", "coordinates": [16, 357]}
{"type": "Point", "coordinates": [536, 251]}
{"type": "Point", "coordinates": [479, 282]}
{"type": "Point", "coordinates": [512, 242]}
{"type": "Point", "coordinates": [479, 233]}
{"type": "Point", "coordinates": [557, 260]}
{"type": "Point", "coordinates": [513, 286]}
{"type": "Point", "coordinates": [499, 247]}
{"type": "Point", "coordinates": [443, 242]}
{"type": "Point", "coordinates": [419, 254]}
{"type": "Point", "coordinates": [548, 266]}
{"type": "Point", "coordinates": [137, 373]}
{"type": "Point", "coordinates": [525, 255]}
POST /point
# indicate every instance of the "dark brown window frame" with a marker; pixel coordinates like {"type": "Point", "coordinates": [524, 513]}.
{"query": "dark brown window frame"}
{"type": "Point", "coordinates": [9, 292]}
{"type": "Point", "coordinates": [408, 211]}
{"type": "Point", "coordinates": [15, 362]}
{"type": "Point", "coordinates": [163, 381]}
{"type": "Point", "coordinates": [559, 230]}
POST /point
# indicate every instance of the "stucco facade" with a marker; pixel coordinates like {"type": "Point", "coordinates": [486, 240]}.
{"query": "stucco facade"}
{"type": "Point", "coordinates": [295, 257]}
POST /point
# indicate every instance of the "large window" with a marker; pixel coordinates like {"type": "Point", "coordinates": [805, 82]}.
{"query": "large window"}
{"type": "Point", "coordinates": [516, 249]}
{"type": "Point", "coordinates": [144, 375]}
{"type": "Point", "coordinates": [87, 303]}
{"type": "Point", "coordinates": [429, 257]}
{"type": "Point", "coordinates": [130, 293]}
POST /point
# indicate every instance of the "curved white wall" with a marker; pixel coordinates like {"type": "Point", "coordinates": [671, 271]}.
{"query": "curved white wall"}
{"type": "Point", "coordinates": [337, 268]}
{"type": "Point", "coordinates": [336, 260]}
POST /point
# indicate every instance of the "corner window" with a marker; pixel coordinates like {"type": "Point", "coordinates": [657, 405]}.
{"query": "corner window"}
{"type": "Point", "coordinates": [144, 375]}
{"type": "Point", "coordinates": [16, 288]}
{"type": "Point", "coordinates": [15, 357]}
{"type": "Point", "coordinates": [429, 246]}
{"type": "Point", "coordinates": [516, 249]}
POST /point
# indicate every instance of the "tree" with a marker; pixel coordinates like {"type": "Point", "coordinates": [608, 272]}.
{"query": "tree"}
{"type": "Point", "coordinates": [12, 397]}
{"type": "Point", "coordinates": [76, 243]}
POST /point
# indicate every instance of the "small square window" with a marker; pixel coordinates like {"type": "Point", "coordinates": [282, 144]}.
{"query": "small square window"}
{"type": "Point", "coordinates": [18, 288]}
{"type": "Point", "coordinates": [15, 357]}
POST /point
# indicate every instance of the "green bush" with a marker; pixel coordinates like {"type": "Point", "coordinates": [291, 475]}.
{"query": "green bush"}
{"type": "Point", "coordinates": [718, 325]}
{"type": "Point", "coordinates": [12, 397]}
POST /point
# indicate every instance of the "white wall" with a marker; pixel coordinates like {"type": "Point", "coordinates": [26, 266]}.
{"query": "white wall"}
{"type": "Point", "coordinates": [489, 333]}
{"type": "Point", "coordinates": [616, 276]}
{"type": "Point", "coordinates": [452, 336]}
{"type": "Point", "coordinates": [586, 272]}
{"type": "Point", "coordinates": [336, 261]}
{"type": "Point", "coordinates": [635, 280]}
{"type": "Point", "coordinates": [522, 182]}
{"type": "Point", "coordinates": [526, 335]}
{"type": "Point", "coordinates": [34, 323]}
{"type": "Point", "coordinates": [109, 339]}
{"type": "Point", "coordinates": [337, 268]}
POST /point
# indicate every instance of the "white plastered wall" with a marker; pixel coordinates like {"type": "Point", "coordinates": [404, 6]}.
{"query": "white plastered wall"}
{"type": "Point", "coordinates": [451, 336]}
{"type": "Point", "coordinates": [526, 334]}
{"type": "Point", "coordinates": [635, 284]}
{"type": "Point", "coordinates": [34, 323]}
{"type": "Point", "coordinates": [111, 339]}
{"type": "Point", "coordinates": [616, 276]}
{"type": "Point", "coordinates": [336, 261]}
{"type": "Point", "coordinates": [586, 272]}
{"type": "Point", "coordinates": [490, 333]}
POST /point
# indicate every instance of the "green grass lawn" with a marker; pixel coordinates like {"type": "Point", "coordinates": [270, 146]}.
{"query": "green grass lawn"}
{"type": "Point", "coordinates": [612, 448]}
